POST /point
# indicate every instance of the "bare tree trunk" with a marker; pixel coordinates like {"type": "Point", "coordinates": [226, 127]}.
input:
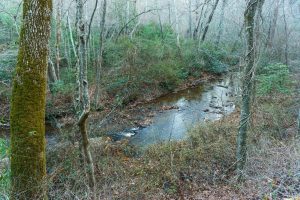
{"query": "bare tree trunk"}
{"type": "Point", "coordinates": [169, 12]}
{"type": "Point", "coordinates": [71, 36]}
{"type": "Point", "coordinates": [196, 31]}
{"type": "Point", "coordinates": [127, 14]}
{"type": "Point", "coordinates": [221, 23]}
{"type": "Point", "coordinates": [247, 87]}
{"type": "Point", "coordinates": [258, 26]}
{"type": "Point", "coordinates": [209, 20]}
{"type": "Point", "coordinates": [176, 23]}
{"type": "Point", "coordinates": [272, 28]}
{"type": "Point", "coordinates": [100, 58]}
{"type": "Point", "coordinates": [58, 37]}
{"type": "Point", "coordinates": [298, 121]}
{"type": "Point", "coordinates": [51, 71]}
{"type": "Point", "coordinates": [84, 93]}
{"type": "Point", "coordinates": [257, 41]}
{"type": "Point", "coordinates": [286, 48]}
{"type": "Point", "coordinates": [190, 19]}
{"type": "Point", "coordinates": [138, 21]}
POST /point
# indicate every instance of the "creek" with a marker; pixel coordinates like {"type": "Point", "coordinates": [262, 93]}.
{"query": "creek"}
{"type": "Point", "coordinates": [179, 112]}
{"type": "Point", "coordinates": [184, 109]}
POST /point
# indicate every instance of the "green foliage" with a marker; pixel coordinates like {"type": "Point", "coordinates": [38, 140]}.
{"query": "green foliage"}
{"type": "Point", "coordinates": [4, 168]}
{"type": "Point", "coordinates": [4, 148]}
{"type": "Point", "coordinates": [214, 58]}
{"type": "Point", "coordinates": [8, 26]}
{"type": "Point", "coordinates": [66, 84]}
{"type": "Point", "coordinates": [145, 61]}
{"type": "Point", "coordinates": [274, 78]}
{"type": "Point", "coordinates": [194, 62]}
{"type": "Point", "coordinates": [7, 64]}
{"type": "Point", "coordinates": [206, 57]}
{"type": "Point", "coordinates": [153, 31]}
{"type": "Point", "coordinates": [153, 61]}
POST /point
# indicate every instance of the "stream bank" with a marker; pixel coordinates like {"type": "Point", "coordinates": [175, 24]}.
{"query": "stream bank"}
{"type": "Point", "coordinates": [170, 117]}
{"type": "Point", "coordinates": [166, 118]}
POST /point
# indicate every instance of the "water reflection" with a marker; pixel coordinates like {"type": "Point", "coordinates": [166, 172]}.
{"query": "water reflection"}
{"type": "Point", "coordinates": [194, 105]}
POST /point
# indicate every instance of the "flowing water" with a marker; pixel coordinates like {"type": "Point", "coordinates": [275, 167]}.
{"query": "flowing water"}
{"type": "Point", "coordinates": [203, 103]}
{"type": "Point", "coordinates": [207, 102]}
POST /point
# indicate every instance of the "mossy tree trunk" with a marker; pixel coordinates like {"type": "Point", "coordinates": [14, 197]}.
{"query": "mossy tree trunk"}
{"type": "Point", "coordinates": [27, 117]}
{"type": "Point", "coordinates": [247, 86]}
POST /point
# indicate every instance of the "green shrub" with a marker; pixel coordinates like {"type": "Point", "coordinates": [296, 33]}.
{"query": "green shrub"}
{"type": "Point", "coordinates": [61, 87]}
{"type": "Point", "coordinates": [153, 31]}
{"type": "Point", "coordinates": [167, 73]}
{"type": "Point", "coordinates": [274, 78]}
{"type": "Point", "coordinates": [145, 61]}
{"type": "Point", "coordinates": [7, 64]}
{"type": "Point", "coordinates": [194, 63]}
{"type": "Point", "coordinates": [66, 84]}
{"type": "Point", "coordinates": [153, 61]}
{"type": "Point", "coordinates": [206, 57]}
{"type": "Point", "coordinates": [214, 58]}
{"type": "Point", "coordinates": [4, 169]}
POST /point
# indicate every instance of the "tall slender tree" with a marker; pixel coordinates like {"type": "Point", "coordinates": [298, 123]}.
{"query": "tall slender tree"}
{"type": "Point", "coordinates": [209, 20]}
{"type": "Point", "coordinates": [58, 36]}
{"type": "Point", "coordinates": [249, 18]}
{"type": "Point", "coordinates": [221, 23]}
{"type": "Point", "coordinates": [84, 95]}
{"type": "Point", "coordinates": [100, 58]}
{"type": "Point", "coordinates": [190, 33]}
{"type": "Point", "coordinates": [176, 23]}
{"type": "Point", "coordinates": [272, 26]}
{"type": "Point", "coordinates": [27, 117]}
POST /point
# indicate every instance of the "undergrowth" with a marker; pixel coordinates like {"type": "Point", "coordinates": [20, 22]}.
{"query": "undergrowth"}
{"type": "Point", "coordinates": [185, 168]}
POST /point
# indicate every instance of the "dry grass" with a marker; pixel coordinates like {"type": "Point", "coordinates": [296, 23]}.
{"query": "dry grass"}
{"type": "Point", "coordinates": [201, 167]}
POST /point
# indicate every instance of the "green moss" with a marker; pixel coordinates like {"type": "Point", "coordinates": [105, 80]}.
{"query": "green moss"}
{"type": "Point", "coordinates": [28, 162]}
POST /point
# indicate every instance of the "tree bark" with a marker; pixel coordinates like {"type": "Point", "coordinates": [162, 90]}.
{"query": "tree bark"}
{"type": "Point", "coordinates": [286, 48]}
{"type": "Point", "coordinates": [176, 23]}
{"type": "Point", "coordinates": [27, 117]}
{"type": "Point", "coordinates": [58, 38]}
{"type": "Point", "coordinates": [100, 58]}
{"type": "Point", "coordinates": [272, 28]}
{"type": "Point", "coordinates": [247, 87]}
{"type": "Point", "coordinates": [84, 93]}
{"type": "Point", "coordinates": [196, 30]}
{"type": "Point", "coordinates": [190, 33]}
{"type": "Point", "coordinates": [298, 121]}
{"type": "Point", "coordinates": [221, 23]}
{"type": "Point", "coordinates": [209, 20]}
{"type": "Point", "coordinates": [127, 14]}
{"type": "Point", "coordinates": [51, 72]}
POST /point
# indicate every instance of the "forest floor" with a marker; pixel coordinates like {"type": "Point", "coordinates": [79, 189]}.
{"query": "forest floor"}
{"type": "Point", "coordinates": [201, 167]}
{"type": "Point", "coordinates": [138, 113]}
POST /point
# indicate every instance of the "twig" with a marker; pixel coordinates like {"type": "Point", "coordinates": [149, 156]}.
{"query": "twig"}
{"type": "Point", "coordinates": [136, 16]}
